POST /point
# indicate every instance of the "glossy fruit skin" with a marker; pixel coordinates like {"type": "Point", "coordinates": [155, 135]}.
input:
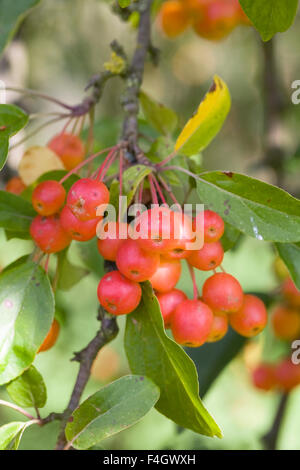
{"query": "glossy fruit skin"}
{"type": "Point", "coordinates": [213, 225]}
{"type": "Point", "coordinates": [51, 337]}
{"type": "Point", "coordinates": [154, 230]}
{"type": "Point", "coordinates": [191, 323]}
{"type": "Point", "coordinates": [223, 293]}
{"type": "Point", "coordinates": [48, 197]}
{"type": "Point", "coordinates": [287, 375]}
{"type": "Point", "coordinates": [134, 263]}
{"type": "Point", "coordinates": [108, 247]}
{"type": "Point", "coordinates": [219, 328]}
{"type": "Point", "coordinates": [286, 323]}
{"type": "Point", "coordinates": [85, 196]}
{"type": "Point", "coordinates": [263, 377]}
{"type": "Point", "coordinates": [117, 294]}
{"type": "Point", "coordinates": [174, 18]}
{"type": "Point", "coordinates": [48, 233]}
{"type": "Point", "coordinates": [168, 302]}
{"type": "Point", "coordinates": [252, 317]}
{"type": "Point", "coordinates": [78, 229]}
{"type": "Point", "coordinates": [290, 292]}
{"type": "Point", "coordinates": [167, 275]}
{"type": "Point", "coordinates": [69, 148]}
{"type": "Point", "coordinates": [217, 20]}
{"type": "Point", "coordinates": [210, 256]}
{"type": "Point", "coordinates": [15, 185]}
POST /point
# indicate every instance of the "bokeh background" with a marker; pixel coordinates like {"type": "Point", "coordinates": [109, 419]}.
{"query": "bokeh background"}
{"type": "Point", "coordinates": [61, 44]}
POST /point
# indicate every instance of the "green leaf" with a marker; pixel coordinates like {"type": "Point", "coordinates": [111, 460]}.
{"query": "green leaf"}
{"type": "Point", "coordinates": [207, 121]}
{"type": "Point", "coordinates": [57, 175]}
{"type": "Point", "coordinates": [29, 389]}
{"type": "Point", "coordinates": [111, 410]}
{"type": "Point", "coordinates": [68, 274]}
{"type": "Point", "coordinates": [163, 119]}
{"type": "Point", "coordinates": [12, 118]}
{"type": "Point", "coordinates": [16, 213]}
{"type": "Point", "coordinates": [91, 257]}
{"type": "Point", "coordinates": [9, 432]}
{"type": "Point", "coordinates": [270, 16]}
{"type": "Point", "coordinates": [4, 143]}
{"type": "Point", "coordinates": [230, 238]}
{"type": "Point", "coordinates": [11, 15]}
{"type": "Point", "coordinates": [26, 315]}
{"type": "Point", "coordinates": [124, 3]}
{"type": "Point", "coordinates": [152, 353]}
{"type": "Point", "coordinates": [255, 208]}
{"type": "Point", "coordinates": [290, 254]}
{"type": "Point", "coordinates": [212, 358]}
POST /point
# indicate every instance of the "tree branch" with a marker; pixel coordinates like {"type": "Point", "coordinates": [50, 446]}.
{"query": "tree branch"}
{"type": "Point", "coordinates": [271, 438]}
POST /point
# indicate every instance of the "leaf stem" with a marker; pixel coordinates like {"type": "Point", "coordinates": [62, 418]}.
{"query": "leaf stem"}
{"type": "Point", "coordinates": [17, 408]}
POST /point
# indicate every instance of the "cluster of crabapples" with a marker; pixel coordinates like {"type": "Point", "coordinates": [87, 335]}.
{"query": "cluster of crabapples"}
{"type": "Point", "coordinates": [146, 255]}
{"type": "Point", "coordinates": [210, 19]}
{"type": "Point", "coordinates": [282, 376]}
{"type": "Point", "coordinates": [285, 317]}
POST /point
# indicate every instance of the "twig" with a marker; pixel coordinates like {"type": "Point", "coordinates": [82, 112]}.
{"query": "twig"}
{"type": "Point", "coordinates": [271, 438]}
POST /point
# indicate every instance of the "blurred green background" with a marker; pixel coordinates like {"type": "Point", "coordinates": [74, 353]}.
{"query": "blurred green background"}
{"type": "Point", "coordinates": [64, 43]}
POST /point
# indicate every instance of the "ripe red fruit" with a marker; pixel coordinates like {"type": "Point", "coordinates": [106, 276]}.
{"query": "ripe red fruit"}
{"type": "Point", "coordinates": [134, 263]}
{"type": "Point", "coordinates": [117, 294]}
{"type": "Point", "coordinates": [287, 375]}
{"type": "Point", "coordinates": [174, 18]}
{"type": "Point", "coordinates": [290, 292]}
{"type": "Point", "coordinates": [210, 256]}
{"type": "Point", "coordinates": [191, 323]}
{"type": "Point", "coordinates": [213, 225]}
{"type": "Point", "coordinates": [69, 148]}
{"type": "Point", "coordinates": [51, 337]}
{"type": "Point", "coordinates": [223, 293]}
{"type": "Point", "coordinates": [219, 328]}
{"type": "Point", "coordinates": [251, 318]}
{"type": "Point", "coordinates": [286, 323]}
{"type": "Point", "coordinates": [85, 196]}
{"type": "Point", "coordinates": [48, 233]}
{"type": "Point", "coordinates": [154, 230]}
{"type": "Point", "coordinates": [263, 377]}
{"type": "Point", "coordinates": [167, 275]}
{"type": "Point", "coordinates": [168, 302]}
{"type": "Point", "coordinates": [217, 19]}
{"type": "Point", "coordinates": [48, 197]}
{"type": "Point", "coordinates": [78, 229]}
{"type": "Point", "coordinates": [115, 234]}
{"type": "Point", "coordinates": [15, 185]}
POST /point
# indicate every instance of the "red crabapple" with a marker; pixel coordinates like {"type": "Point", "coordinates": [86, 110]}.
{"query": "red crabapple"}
{"type": "Point", "coordinates": [213, 225]}
{"type": "Point", "coordinates": [167, 275]}
{"type": "Point", "coordinates": [219, 328]}
{"type": "Point", "coordinates": [210, 256]}
{"type": "Point", "coordinates": [69, 148]}
{"type": "Point", "coordinates": [290, 292]}
{"type": "Point", "coordinates": [115, 233]}
{"type": "Point", "coordinates": [287, 375]}
{"type": "Point", "coordinates": [286, 323]}
{"type": "Point", "coordinates": [85, 196]}
{"type": "Point", "coordinates": [117, 294]}
{"type": "Point", "coordinates": [81, 230]}
{"type": "Point", "coordinates": [191, 323]}
{"type": "Point", "coordinates": [48, 197]}
{"type": "Point", "coordinates": [51, 337]}
{"type": "Point", "coordinates": [223, 293]}
{"type": "Point", "coordinates": [251, 318]}
{"type": "Point", "coordinates": [168, 301]}
{"type": "Point", "coordinates": [134, 263]}
{"type": "Point", "coordinates": [48, 233]}
{"type": "Point", "coordinates": [263, 377]}
{"type": "Point", "coordinates": [15, 185]}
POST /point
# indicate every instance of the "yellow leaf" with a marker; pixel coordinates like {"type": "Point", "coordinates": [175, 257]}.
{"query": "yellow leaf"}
{"type": "Point", "coordinates": [36, 161]}
{"type": "Point", "coordinates": [208, 120]}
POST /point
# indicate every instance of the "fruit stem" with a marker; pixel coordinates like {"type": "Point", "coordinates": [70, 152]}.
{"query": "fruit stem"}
{"type": "Point", "coordinates": [106, 165]}
{"type": "Point", "coordinates": [26, 91]}
{"type": "Point", "coordinates": [195, 288]}
{"type": "Point", "coordinates": [153, 190]}
{"type": "Point", "coordinates": [159, 190]}
{"type": "Point", "coordinates": [168, 189]}
{"type": "Point", "coordinates": [167, 159]}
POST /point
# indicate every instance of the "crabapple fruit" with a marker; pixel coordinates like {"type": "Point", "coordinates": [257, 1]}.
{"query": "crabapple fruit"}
{"type": "Point", "coordinates": [117, 294]}
{"type": "Point", "coordinates": [251, 318]}
{"type": "Point", "coordinates": [69, 148]}
{"type": "Point", "coordinates": [223, 293]}
{"type": "Point", "coordinates": [85, 196]}
{"type": "Point", "coordinates": [48, 233]}
{"type": "Point", "coordinates": [167, 275]}
{"type": "Point", "coordinates": [174, 18]}
{"type": "Point", "coordinates": [263, 377]}
{"type": "Point", "coordinates": [286, 323]}
{"type": "Point", "coordinates": [287, 375]}
{"type": "Point", "coordinates": [168, 301]}
{"type": "Point", "coordinates": [219, 328]}
{"type": "Point", "coordinates": [48, 197]}
{"type": "Point", "coordinates": [81, 230]}
{"type": "Point", "coordinates": [134, 263]}
{"type": "Point", "coordinates": [290, 292]}
{"type": "Point", "coordinates": [213, 225]}
{"type": "Point", "coordinates": [15, 185]}
{"type": "Point", "coordinates": [112, 235]}
{"type": "Point", "coordinates": [191, 323]}
{"type": "Point", "coordinates": [51, 337]}
{"type": "Point", "coordinates": [210, 256]}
